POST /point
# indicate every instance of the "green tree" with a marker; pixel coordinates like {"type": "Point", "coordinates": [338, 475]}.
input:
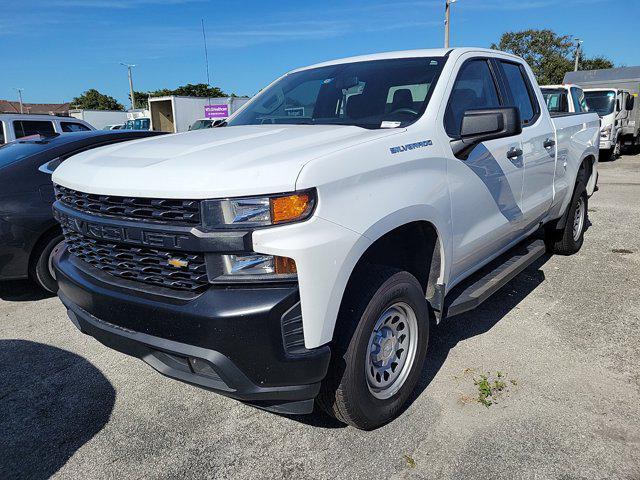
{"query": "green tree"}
{"type": "Point", "coordinates": [550, 55]}
{"type": "Point", "coordinates": [92, 99]}
{"type": "Point", "coordinates": [188, 90]}
{"type": "Point", "coordinates": [595, 63]}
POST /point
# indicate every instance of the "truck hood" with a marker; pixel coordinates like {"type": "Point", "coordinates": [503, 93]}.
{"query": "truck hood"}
{"type": "Point", "coordinates": [211, 163]}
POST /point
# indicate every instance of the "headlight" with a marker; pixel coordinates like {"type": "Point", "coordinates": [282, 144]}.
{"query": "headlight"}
{"type": "Point", "coordinates": [254, 212]}
{"type": "Point", "coordinates": [258, 266]}
{"type": "Point", "coordinates": [259, 211]}
{"type": "Point", "coordinates": [606, 131]}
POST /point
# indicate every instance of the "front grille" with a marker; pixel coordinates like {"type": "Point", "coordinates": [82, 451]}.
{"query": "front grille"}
{"type": "Point", "coordinates": [142, 264]}
{"type": "Point", "coordinates": [176, 212]}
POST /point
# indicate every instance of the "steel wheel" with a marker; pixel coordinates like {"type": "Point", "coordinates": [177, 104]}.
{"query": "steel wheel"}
{"type": "Point", "coordinates": [578, 219]}
{"type": "Point", "coordinates": [392, 350]}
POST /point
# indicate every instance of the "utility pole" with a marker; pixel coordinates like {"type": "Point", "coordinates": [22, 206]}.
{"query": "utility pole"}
{"type": "Point", "coordinates": [20, 90]}
{"type": "Point", "coordinates": [578, 51]}
{"type": "Point", "coordinates": [129, 67]}
{"type": "Point", "coordinates": [447, 20]}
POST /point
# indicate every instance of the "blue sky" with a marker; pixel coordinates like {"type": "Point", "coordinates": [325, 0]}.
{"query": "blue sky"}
{"type": "Point", "coordinates": [55, 49]}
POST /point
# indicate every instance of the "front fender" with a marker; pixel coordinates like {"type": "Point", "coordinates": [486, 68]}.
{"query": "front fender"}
{"type": "Point", "coordinates": [326, 255]}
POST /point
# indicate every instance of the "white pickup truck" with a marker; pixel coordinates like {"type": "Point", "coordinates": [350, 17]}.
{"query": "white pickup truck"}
{"type": "Point", "coordinates": [299, 253]}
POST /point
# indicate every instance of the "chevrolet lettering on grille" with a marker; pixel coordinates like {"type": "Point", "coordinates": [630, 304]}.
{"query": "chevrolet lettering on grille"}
{"type": "Point", "coordinates": [119, 233]}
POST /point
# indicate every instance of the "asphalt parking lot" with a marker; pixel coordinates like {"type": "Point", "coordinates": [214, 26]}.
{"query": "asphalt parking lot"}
{"type": "Point", "coordinates": [564, 336]}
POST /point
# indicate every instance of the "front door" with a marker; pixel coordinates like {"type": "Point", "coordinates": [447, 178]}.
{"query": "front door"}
{"type": "Point", "coordinates": [486, 188]}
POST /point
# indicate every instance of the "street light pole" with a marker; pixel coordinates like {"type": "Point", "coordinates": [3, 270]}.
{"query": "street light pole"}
{"type": "Point", "coordinates": [577, 59]}
{"type": "Point", "coordinates": [20, 98]}
{"type": "Point", "coordinates": [447, 20]}
{"type": "Point", "coordinates": [129, 67]}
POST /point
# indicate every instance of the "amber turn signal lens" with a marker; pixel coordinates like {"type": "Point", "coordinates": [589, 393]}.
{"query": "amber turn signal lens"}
{"type": "Point", "coordinates": [291, 207]}
{"type": "Point", "coordinates": [285, 265]}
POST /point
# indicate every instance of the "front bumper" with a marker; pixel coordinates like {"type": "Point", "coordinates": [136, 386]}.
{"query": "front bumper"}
{"type": "Point", "coordinates": [229, 340]}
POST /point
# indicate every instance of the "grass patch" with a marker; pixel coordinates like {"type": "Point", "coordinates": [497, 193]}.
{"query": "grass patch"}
{"type": "Point", "coordinates": [490, 387]}
{"type": "Point", "coordinates": [411, 463]}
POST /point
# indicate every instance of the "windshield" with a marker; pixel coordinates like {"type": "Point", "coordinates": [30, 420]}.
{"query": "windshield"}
{"type": "Point", "coordinates": [200, 124]}
{"type": "Point", "coordinates": [602, 102]}
{"type": "Point", "coordinates": [373, 94]}
{"type": "Point", "coordinates": [141, 124]}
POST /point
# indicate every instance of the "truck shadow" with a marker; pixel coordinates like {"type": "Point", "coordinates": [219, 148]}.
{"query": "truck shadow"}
{"type": "Point", "coordinates": [450, 332]}
{"type": "Point", "coordinates": [22, 291]}
{"type": "Point", "coordinates": [51, 403]}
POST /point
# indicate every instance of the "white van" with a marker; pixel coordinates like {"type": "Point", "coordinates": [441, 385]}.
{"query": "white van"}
{"type": "Point", "coordinates": [16, 125]}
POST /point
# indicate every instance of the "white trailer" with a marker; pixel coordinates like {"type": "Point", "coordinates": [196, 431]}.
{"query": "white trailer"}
{"type": "Point", "coordinates": [175, 113]}
{"type": "Point", "coordinates": [99, 119]}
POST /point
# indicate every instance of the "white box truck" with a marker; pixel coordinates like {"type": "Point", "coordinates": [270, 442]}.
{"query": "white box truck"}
{"type": "Point", "coordinates": [99, 119]}
{"type": "Point", "coordinates": [175, 113]}
{"type": "Point", "coordinates": [613, 94]}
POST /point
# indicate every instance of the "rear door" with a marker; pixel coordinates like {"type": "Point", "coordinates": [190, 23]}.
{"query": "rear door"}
{"type": "Point", "coordinates": [538, 143]}
{"type": "Point", "coordinates": [486, 188]}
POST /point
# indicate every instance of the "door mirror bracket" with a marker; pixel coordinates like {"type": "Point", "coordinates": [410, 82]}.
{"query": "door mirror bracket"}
{"type": "Point", "coordinates": [487, 124]}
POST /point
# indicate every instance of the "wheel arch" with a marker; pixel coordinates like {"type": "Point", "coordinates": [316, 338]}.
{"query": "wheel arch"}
{"type": "Point", "coordinates": [411, 241]}
{"type": "Point", "coordinates": [45, 236]}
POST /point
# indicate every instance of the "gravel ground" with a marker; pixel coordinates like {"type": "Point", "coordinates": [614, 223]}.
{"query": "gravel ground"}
{"type": "Point", "coordinates": [563, 335]}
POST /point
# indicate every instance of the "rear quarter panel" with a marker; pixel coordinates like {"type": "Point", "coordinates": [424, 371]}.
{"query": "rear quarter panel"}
{"type": "Point", "coordinates": [577, 137]}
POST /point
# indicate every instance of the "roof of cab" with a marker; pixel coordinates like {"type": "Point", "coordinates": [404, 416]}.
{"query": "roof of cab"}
{"type": "Point", "coordinates": [430, 52]}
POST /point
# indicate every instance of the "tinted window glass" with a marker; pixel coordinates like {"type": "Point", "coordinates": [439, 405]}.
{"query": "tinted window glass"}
{"type": "Point", "coordinates": [73, 127]}
{"type": "Point", "coordinates": [602, 102]}
{"type": "Point", "coordinates": [365, 94]}
{"type": "Point", "coordinates": [24, 128]}
{"type": "Point", "coordinates": [518, 85]}
{"type": "Point", "coordinates": [2, 137]}
{"type": "Point", "coordinates": [579, 103]}
{"type": "Point", "coordinates": [556, 100]}
{"type": "Point", "coordinates": [474, 89]}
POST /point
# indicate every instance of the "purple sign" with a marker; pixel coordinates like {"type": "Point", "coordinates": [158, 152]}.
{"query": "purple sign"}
{"type": "Point", "coordinates": [216, 111]}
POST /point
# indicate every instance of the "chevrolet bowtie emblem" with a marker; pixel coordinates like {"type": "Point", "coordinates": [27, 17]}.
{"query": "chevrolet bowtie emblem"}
{"type": "Point", "coordinates": [176, 262]}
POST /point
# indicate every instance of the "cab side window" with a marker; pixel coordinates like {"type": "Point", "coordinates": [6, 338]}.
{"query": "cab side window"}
{"type": "Point", "coordinates": [69, 127]}
{"type": "Point", "coordinates": [473, 89]}
{"type": "Point", "coordinates": [25, 128]}
{"type": "Point", "coordinates": [579, 102]}
{"type": "Point", "coordinates": [521, 91]}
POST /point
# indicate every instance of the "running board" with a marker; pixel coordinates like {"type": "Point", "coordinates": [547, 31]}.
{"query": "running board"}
{"type": "Point", "coordinates": [492, 277]}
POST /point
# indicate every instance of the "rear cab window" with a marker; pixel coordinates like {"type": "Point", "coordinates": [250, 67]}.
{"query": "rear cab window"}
{"type": "Point", "coordinates": [556, 100]}
{"type": "Point", "coordinates": [25, 128]}
{"type": "Point", "coordinates": [521, 91]}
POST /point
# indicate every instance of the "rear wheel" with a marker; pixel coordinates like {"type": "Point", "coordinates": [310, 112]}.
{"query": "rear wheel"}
{"type": "Point", "coordinates": [379, 348]}
{"type": "Point", "coordinates": [616, 151]}
{"type": "Point", "coordinates": [41, 271]}
{"type": "Point", "coordinates": [570, 239]}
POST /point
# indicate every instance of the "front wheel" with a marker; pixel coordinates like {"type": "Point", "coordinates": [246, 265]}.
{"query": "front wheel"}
{"type": "Point", "coordinates": [41, 270]}
{"type": "Point", "coordinates": [379, 348]}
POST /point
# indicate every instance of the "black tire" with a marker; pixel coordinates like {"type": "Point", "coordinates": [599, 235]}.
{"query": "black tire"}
{"type": "Point", "coordinates": [40, 269]}
{"type": "Point", "coordinates": [569, 241]}
{"type": "Point", "coordinates": [616, 150]}
{"type": "Point", "coordinates": [345, 393]}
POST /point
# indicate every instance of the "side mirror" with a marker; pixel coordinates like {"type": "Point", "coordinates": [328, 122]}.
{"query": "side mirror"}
{"type": "Point", "coordinates": [630, 102]}
{"type": "Point", "coordinates": [481, 125]}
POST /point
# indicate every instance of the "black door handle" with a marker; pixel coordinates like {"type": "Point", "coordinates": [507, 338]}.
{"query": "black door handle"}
{"type": "Point", "coordinates": [548, 143]}
{"type": "Point", "coordinates": [514, 153]}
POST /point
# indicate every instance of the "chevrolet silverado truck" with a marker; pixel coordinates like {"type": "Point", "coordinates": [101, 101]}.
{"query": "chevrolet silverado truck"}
{"type": "Point", "coordinates": [297, 255]}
